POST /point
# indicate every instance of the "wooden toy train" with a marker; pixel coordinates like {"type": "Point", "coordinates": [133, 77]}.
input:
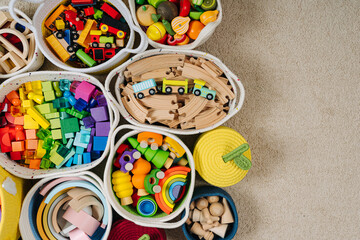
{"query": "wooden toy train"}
{"type": "Point", "coordinates": [149, 87]}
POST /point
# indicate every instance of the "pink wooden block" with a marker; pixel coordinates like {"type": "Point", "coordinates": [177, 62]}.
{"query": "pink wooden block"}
{"type": "Point", "coordinates": [84, 91]}
{"type": "Point", "coordinates": [82, 220]}
{"type": "Point", "coordinates": [77, 234]}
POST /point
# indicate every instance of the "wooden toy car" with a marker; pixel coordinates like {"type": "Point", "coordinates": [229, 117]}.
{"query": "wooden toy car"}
{"type": "Point", "coordinates": [200, 90]}
{"type": "Point", "coordinates": [139, 88]}
{"type": "Point", "coordinates": [73, 20]}
{"type": "Point", "coordinates": [100, 54]}
{"type": "Point", "coordinates": [180, 86]}
{"type": "Point", "coordinates": [116, 27]}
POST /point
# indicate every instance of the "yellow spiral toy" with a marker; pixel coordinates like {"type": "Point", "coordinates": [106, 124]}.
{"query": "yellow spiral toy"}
{"type": "Point", "coordinates": [222, 157]}
{"type": "Point", "coordinates": [10, 205]}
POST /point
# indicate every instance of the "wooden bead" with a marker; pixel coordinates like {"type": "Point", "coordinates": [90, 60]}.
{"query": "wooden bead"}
{"type": "Point", "coordinates": [202, 203]}
{"type": "Point", "coordinates": [216, 209]}
{"type": "Point", "coordinates": [212, 199]}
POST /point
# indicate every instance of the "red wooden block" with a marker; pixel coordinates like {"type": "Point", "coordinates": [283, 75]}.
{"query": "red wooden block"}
{"type": "Point", "coordinates": [15, 156]}
{"type": "Point", "coordinates": [89, 11]}
{"type": "Point", "coordinates": [5, 143]}
{"type": "Point", "coordinates": [111, 11]}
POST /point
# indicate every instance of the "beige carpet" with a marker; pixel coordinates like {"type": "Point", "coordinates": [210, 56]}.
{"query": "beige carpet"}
{"type": "Point", "coordinates": [299, 62]}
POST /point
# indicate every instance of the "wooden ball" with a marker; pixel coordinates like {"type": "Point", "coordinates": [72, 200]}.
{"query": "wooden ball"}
{"type": "Point", "coordinates": [213, 199]}
{"type": "Point", "coordinates": [216, 209]}
{"type": "Point", "coordinates": [202, 203]}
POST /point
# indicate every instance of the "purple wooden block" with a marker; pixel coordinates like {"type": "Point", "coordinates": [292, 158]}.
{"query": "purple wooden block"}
{"type": "Point", "coordinates": [102, 129]}
{"type": "Point", "coordinates": [100, 114]}
{"type": "Point", "coordinates": [101, 100]}
{"type": "Point", "coordinates": [127, 160]}
{"type": "Point", "coordinates": [176, 191]}
{"type": "Point", "coordinates": [92, 134]}
{"type": "Point", "coordinates": [89, 121]}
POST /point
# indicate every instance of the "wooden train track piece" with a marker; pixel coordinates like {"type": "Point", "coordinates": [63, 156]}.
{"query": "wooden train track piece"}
{"type": "Point", "coordinates": [222, 91]}
{"type": "Point", "coordinates": [158, 115]}
{"type": "Point", "coordinates": [134, 108]}
{"type": "Point", "coordinates": [187, 125]}
{"type": "Point", "coordinates": [161, 102]}
{"type": "Point", "coordinates": [208, 118]}
{"type": "Point", "coordinates": [193, 108]}
{"type": "Point", "coordinates": [212, 69]}
{"type": "Point", "coordinates": [128, 90]}
{"type": "Point", "coordinates": [158, 73]}
{"type": "Point", "coordinates": [155, 62]}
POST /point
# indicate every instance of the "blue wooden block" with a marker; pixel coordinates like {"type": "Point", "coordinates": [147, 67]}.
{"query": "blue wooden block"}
{"type": "Point", "coordinates": [79, 150]}
{"type": "Point", "coordinates": [86, 157]}
{"type": "Point", "coordinates": [70, 162]}
{"type": "Point", "coordinates": [99, 143]}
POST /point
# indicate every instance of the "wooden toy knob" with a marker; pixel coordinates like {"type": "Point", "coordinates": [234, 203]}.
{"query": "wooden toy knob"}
{"type": "Point", "coordinates": [196, 215]}
{"type": "Point", "coordinates": [202, 203]}
{"type": "Point", "coordinates": [212, 199]}
{"type": "Point", "coordinates": [216, 209]}
{"type": "Point", "coordinates": [197, 229]}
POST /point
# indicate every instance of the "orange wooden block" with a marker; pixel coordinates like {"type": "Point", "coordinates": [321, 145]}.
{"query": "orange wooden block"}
{"type": "Point", "coordinates": [35, 163]}
{"type": "Point", "coordinates": [12, 95]}
{"type": "Point", "coordinates": [17, 146]}
{"type": "Point", "coordinates": [31, 144]}
{"type": "Point", "coordinates": [19, 120]}
{"type": "Point", "coordinates": [30, 134]}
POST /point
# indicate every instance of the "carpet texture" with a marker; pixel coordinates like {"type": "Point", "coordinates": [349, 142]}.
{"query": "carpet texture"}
{"type": "Point", "coordinates": [299, 63]}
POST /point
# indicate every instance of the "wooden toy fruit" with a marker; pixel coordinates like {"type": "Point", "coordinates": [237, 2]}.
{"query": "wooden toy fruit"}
{"type": "Point", "coordinates": [180, 25]}
{"type": "Point", "coordinates": [195, 15]}
{"type": "Point", "coordinates": [167, 10]}
{"type": "Point", "coordinates": [209, 5]}
{"type": "Point", "coordinates": [209, 16]}
{"type": "Point", "coordinates": [143, 15]}
{"type": "Point", "coordinates": [155, 3]}
{"type": "Point", "coordinates": [195, 28]}
{"type": "Point", "coordinates": [156, 31]}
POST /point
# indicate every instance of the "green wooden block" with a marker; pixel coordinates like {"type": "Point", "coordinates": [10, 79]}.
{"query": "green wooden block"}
{"type": "Point", "coordinates": [49, 96]}
{"type": "Point", "coordinates": [52, 115]}
{"type": "Point", "coordinates": [56, 134]}
{"type": "Point", "coordinates": [69, 125]}
{"type": "Point", "coordinates": [44, 108]}
{"type": "Point", "coordinates": [56, 158]}
{"type": "Point", "coordinates": [46, 86]}
{"type": "Point", "coordinates": [55, 123]}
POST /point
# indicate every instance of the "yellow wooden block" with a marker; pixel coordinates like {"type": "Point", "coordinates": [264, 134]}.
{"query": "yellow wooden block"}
{"type": "Point", "coordinates": [22, 94]}
{"type": "Point", "coordinates": [27, 103]}
{"type": "Point", "coordinates": [60, 24]}
{"type": "Point", "coordinates": [38, 117]}
{"type": "Point", "coordinates": [30, 123]}
{"type": "Point", "coordinates": [36, 85]}
{"type": "Point", "coordinates": [40, 152]}
{"type": "Point", "coordinates": [28, 87]}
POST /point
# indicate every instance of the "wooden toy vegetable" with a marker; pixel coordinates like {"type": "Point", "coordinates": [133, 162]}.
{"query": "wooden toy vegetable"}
{"type": "Point", "coordinates": [209, 16]}
{"type": "Point", "coordinates": [173, 41]}
{"type": "Point", "coordinates": [209, 5]}
{"type": "Point", "coordinates": [144, 15]}
{"type": "Point", "coordinates": [195, 15]}
{"type": "Point", "coordinates": [195, 28]}
{"type": "Point", "coordinates": [197, 2]}
{"type": "Point", "coordinates": [156, 31]}
{"type": "Point", "coordinates": [168, 27]}
{"type": "Point", "coordinates": [180, 25]}
{"type": "Point", "coordinates": [186, 40]}
{"type": "Point", "coordinates": [155, 3]}
{"type": "Point", "coordinates": [185, 7]}
{"type": "Point", "coordinates": [140, 2]}
{"type": "Point", "coordinates": [167, 10]}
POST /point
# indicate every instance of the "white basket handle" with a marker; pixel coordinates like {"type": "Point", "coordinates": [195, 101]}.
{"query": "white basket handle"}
{"type": "Point", "coordinates": [16, 18]}
{"type": "Point", "coordinates": [143, 40]}
{"type": "Point", "coordinates": [238, 83]}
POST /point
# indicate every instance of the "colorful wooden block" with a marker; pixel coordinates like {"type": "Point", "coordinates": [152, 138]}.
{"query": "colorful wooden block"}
{"type": "Point", "coordinates": [55, 123]}
{"type": "Point", "coordinates": [99, 143]}
{"type": "Point", "coordinates": [30, 134]}
{"type": "Point", "coordinates": [40, 151]}
{"type": "Point", "coordinates": [35, 163]}
{"type": "Point", "coordinates": [46, 86]}
{"type": "Point", "coordinates": [15, 156]}
{"type": "Point", "coordinates": [100, 114]}
{"type": "Point", "coordinates": [84, 91]}
{"type": "Point", "coordinates": [56, 134]}
{"type": "Point", "coordinates": [49, 96]}
{"type": "Point", "coordinates": [18, 146]}
{"type": "Point", "coordinates": [31, 144]}
{"type": "Point", "coordinates": [30, 123]}
{"type": "Point", "coordinates": [27, 103]}
{"type": "Point", "coordinates": [102, 129]}
{"type": "Point", "coordinates": [38, 117]}
{"type": "Point", "coordinates": [52, 115]}
{"type": "Point", "coordinates": [69, 125]}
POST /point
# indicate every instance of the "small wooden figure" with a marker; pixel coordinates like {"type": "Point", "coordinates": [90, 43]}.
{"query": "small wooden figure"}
{"type": "Point", "coordinates": [216, 209]}
{"type": "Point", "coordinates": [201, 203]}
{"type": "Point", "coordinates": [213, 199]}
{"type": "Point", "coordinates": [220, 230]}
{"type": "Point", "coordinates": [197, 229]}
{"type": "Point", "coordinates": [227, 216]}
